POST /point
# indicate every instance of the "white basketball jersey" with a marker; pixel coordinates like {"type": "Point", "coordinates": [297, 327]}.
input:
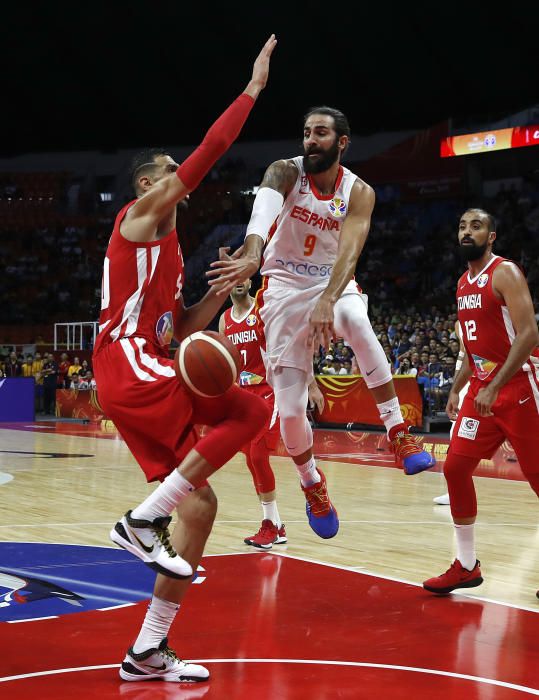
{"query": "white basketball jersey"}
{"type": "Point", "coordinates": [302, 244]}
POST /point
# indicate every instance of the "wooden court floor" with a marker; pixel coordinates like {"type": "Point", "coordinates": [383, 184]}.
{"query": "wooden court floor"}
{"type": "Point", "coordinates": [68, 483]}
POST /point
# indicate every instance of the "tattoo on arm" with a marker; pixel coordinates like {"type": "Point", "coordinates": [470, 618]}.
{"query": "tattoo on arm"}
{"type": "Point", "coordinates": [280, 176]}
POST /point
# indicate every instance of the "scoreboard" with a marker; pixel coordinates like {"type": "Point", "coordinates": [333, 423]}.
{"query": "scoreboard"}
{"type": "Point", "coordinates": [487, 141]}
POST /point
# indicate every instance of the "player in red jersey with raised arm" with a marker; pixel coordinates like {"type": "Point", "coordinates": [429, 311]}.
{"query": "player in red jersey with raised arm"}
{"type": "Point", "coordinates": [241, 324]}
{"type": "Point", "coordinates": [310, 219]}
{"type": "Point", "coordinates": [141, 311]}
{"type": "Point", "coordinates": [500, 337]}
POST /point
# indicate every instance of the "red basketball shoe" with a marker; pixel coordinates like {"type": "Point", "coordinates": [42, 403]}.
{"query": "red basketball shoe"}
{"type": "Point", "coordinates": [407, 450]}
{"type": "Point", "coordinates": [268, 535]}
{"type": "Point", "coordinates": [455, 577]}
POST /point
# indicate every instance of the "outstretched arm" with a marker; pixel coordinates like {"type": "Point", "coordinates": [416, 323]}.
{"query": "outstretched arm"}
{"type": "Point", "coordinates": [278, 180]}
{"type": "Point", "coordinates": [351, 241]}
{"type": "Point", "coordinates": [149, 210]}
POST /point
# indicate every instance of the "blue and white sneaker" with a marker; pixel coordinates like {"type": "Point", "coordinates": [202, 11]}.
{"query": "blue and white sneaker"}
{"type": "Point", "coordinates": [322, 516]}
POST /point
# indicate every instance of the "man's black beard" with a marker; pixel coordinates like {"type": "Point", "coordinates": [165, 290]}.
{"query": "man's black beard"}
{"type": "Point", "coordinates": [324, 162]}
{"type": "Point", "coordinates": [472, 251]}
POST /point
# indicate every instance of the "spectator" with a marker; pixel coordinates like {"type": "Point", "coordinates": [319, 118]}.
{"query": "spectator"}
{"type": "Point", "coordinates": [75, 367]}
{"type": "Point", "coordinates": [12, 368]}
{"type": "Point", "coordinates": [346, 367]}
{"type": "Point", "coordinates": [88, 382]}
{"type": "Point", "coordinates": [63, 369]}
{"type": "Point", "coordinates": [317, 362]}
{"type": "Point", "coordinates": [26, 367]}
{"type": "Point", "coordinates": [50, 381]}
{"type": "Point", "coordinates": [405, 368]}
{"type": "Point", "coordinates": [37, 369]}
{"type": "Point", "coordinates": [440, 393]}
{"type": "Point", "coordinates": [85, 368]}
{"type": "Point", "coordinates": [327, 365]}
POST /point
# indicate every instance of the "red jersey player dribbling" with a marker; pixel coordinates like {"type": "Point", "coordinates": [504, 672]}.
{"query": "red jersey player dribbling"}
{"type": "Point", "coordinates": [500, 337]}
{"type": "Point", "coordinates": [241, 324]}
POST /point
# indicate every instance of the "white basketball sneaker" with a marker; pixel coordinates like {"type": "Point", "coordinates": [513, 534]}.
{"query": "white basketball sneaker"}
{"type": "Point", "coordinates": [150, 541]}
{"type": "Point", "coordinates": [441, 500]}
{"type": "Point", "coordinates": [161, 663]}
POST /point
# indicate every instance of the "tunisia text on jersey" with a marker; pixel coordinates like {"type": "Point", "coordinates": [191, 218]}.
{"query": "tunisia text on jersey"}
{"type": "Point", "coordinates": [247, 335]}
{"type": "Point", "coordinates": [303, 241]}
{"type": "Point", "coordinates": [486, 326]}
{"type": "Point", "coordinates": [141, 290]}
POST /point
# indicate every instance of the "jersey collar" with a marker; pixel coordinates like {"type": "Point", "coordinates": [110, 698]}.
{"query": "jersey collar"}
{"type": "Point", "coordinates": [471, 280]}
{"type": "Point", "coordinates": [326, 197]}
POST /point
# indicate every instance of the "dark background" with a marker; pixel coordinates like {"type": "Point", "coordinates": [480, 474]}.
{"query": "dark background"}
{"type": "Point", "coordinates": [93, 75]}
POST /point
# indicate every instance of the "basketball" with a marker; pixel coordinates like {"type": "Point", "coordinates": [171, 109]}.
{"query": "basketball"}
{"type": "Point", "coordinates": [207, 363]}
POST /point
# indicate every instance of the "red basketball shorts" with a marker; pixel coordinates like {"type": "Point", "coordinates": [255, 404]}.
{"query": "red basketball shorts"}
{"type": "Point", "coordinates": [155, 415]}
{"type": "Point", "coordinates": [516, 418]}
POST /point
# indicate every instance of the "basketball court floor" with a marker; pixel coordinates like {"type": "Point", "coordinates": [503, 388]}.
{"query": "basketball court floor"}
{"type": "Point", "coordinates": [312, 619]}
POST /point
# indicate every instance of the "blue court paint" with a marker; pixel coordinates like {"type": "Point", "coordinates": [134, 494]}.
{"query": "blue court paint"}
{"type": "Point", "coordinates": [39, 580]}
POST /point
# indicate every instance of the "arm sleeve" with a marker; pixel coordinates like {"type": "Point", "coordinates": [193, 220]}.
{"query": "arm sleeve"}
{"type": "Point", "coordinates": [266, 208]}
{"type": "Point", "coordinates": [220, 136]}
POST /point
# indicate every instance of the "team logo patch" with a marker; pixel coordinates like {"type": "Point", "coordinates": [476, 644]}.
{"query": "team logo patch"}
{"type": "Point", "coordinates": [251, 320]}
{"type": "Point", "coordinates": [250, 379]}
{"type": "Point", "coordinates": [164, 329]}
{"type": "Point", "coordinates": [483, 367]}
{"type": "Point", "coordinates": [337, 207]}
{"type": "Point", "coordinates": [468, 428]}
{"type": "Point", "coordinates": [482, 281]}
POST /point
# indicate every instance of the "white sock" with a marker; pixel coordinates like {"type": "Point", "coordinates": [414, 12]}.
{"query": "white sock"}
{"type": "Point", "coordinates": [159, 618]}
{"type": "Point", "coordinates": [390, 413]}
{"type": "Point", "coordinates": [466, 545]}
{"type": "Point", "coordinates": [308, 473]}
{"type": "Point", "coordinates": [270, 512]}
{"type": "Point", "coordinates": [164, 499]}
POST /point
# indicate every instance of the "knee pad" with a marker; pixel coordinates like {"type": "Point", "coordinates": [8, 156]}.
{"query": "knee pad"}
{"type": "Point", "coordinates": [352, 322]}
{"type": "Point", "coordinates": [290, 388]}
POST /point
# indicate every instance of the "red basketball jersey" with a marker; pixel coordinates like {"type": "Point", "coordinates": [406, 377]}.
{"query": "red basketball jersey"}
{"type": "Point", "coordinates": [487, 329]}
{"type": "Point", "coordinates": [247, 335]}
{"type": "Point", "coordinates": [141, 290]}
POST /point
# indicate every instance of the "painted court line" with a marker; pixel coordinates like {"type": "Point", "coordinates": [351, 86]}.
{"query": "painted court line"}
{"type": "Point", "coordinates": [365, 572]}
{"type": "Point", "coordinates": [314, 662]}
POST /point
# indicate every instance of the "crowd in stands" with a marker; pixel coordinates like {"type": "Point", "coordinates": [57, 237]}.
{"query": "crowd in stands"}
{"type": "Point", "coordinates": [49, 374]}
{"type": "Point", "coordinates": [420, 344]}
{"type": "Point", "coordinates": [52, 249]}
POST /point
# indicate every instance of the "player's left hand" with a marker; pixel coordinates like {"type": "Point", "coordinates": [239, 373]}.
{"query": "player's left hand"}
{"type": "Point", "coordinates": [321, 329]}
{"type": "Point", "coordinates": [484, 400]}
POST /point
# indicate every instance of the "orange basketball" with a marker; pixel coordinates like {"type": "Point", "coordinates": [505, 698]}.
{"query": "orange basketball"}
{"type": "Point", "coordinates": [207, 363]}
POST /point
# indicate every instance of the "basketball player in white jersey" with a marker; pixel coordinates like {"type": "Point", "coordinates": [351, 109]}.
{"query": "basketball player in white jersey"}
{"type": "Point", "coordinates": [444, 499]}
{"type": "Point", "coordinates": [241, 324]}
{"type": "Point", "coordinates": [311, 218]}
